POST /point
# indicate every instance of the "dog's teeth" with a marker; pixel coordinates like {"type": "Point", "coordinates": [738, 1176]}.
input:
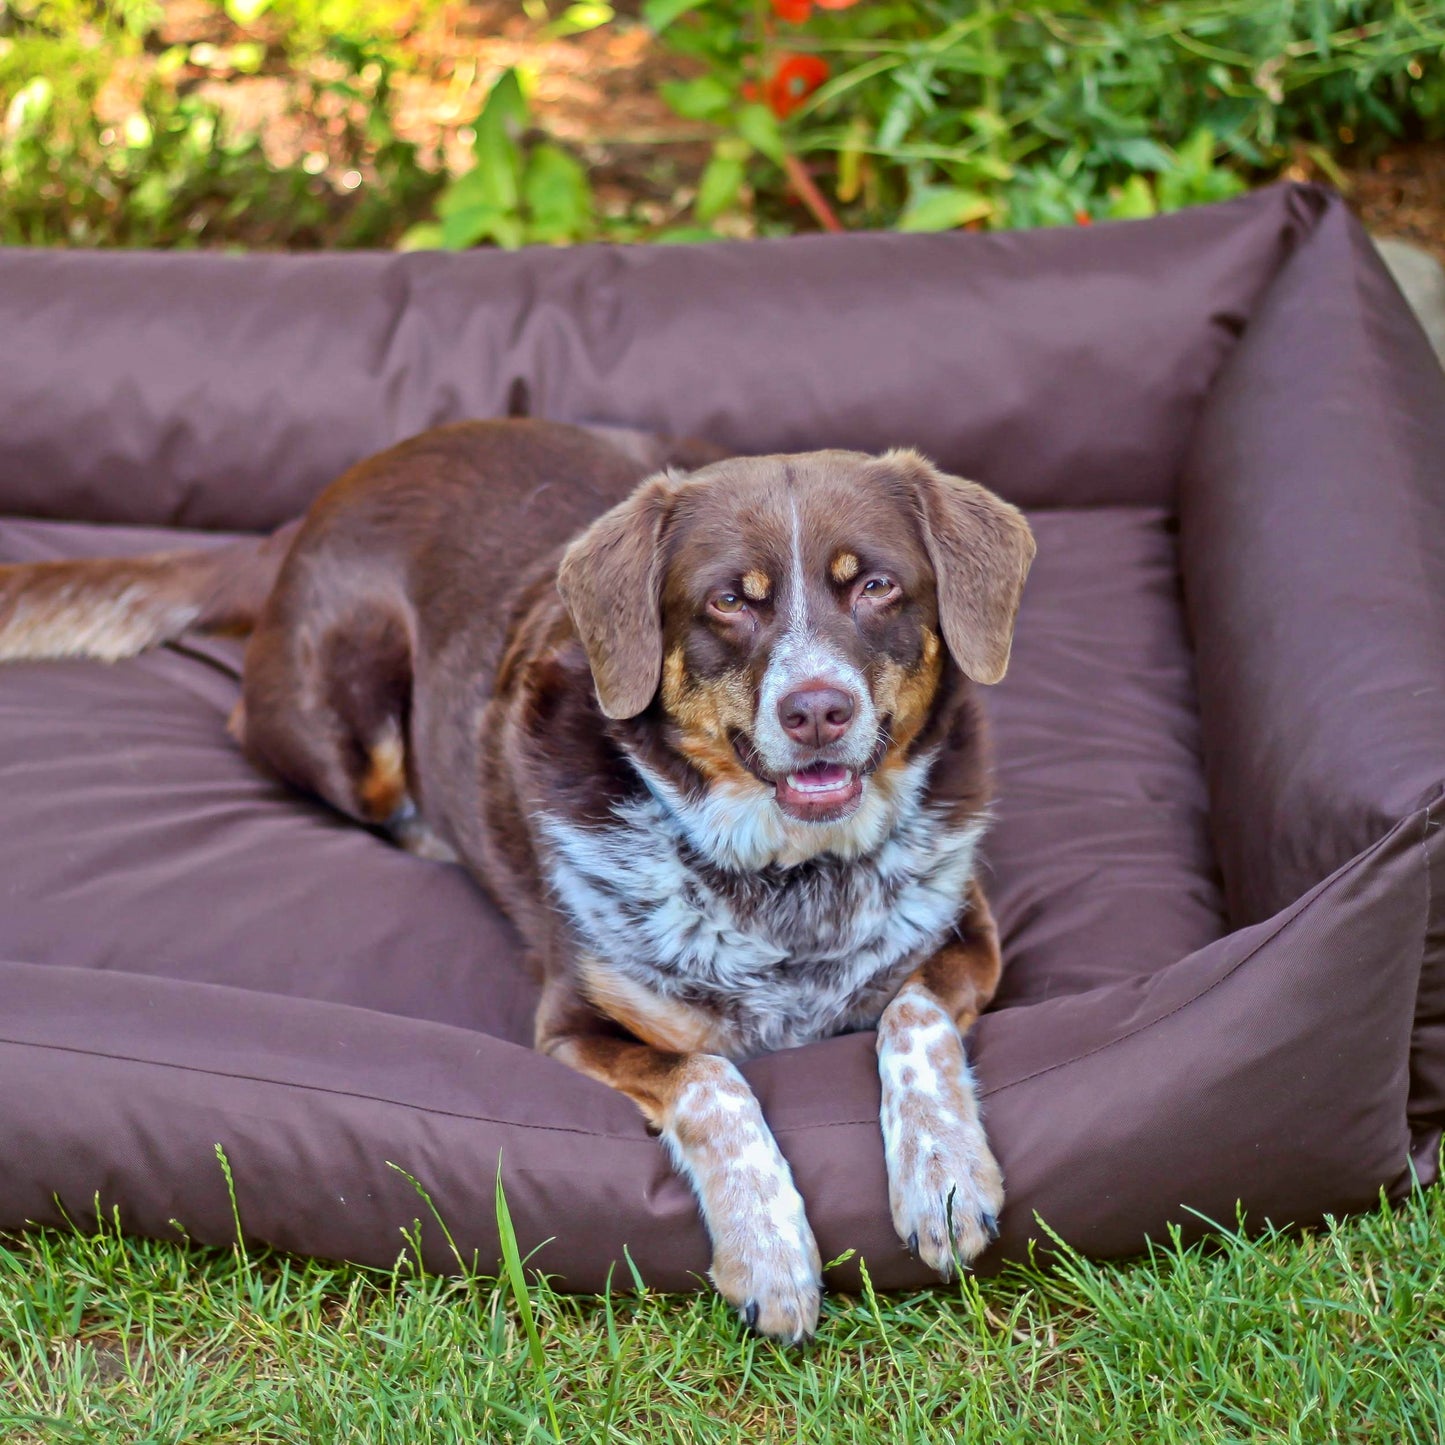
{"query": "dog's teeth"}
{"type": "Point", "coordinates": [803, 784]}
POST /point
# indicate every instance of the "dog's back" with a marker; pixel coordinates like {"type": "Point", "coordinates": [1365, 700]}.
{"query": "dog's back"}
{"type": "Point", "coordinates": [503, 492]}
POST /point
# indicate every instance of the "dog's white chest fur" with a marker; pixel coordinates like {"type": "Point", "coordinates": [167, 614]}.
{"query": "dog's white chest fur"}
{"type": "Point", "coordinates": [779, 955]}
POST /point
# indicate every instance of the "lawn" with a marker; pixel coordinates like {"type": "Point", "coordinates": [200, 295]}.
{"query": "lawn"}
{"type": "Point", "coordinates": [1334, 1334]}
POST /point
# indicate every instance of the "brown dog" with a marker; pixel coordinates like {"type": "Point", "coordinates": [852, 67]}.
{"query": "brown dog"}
{"type": "Point", "coordinates": [718, 759]}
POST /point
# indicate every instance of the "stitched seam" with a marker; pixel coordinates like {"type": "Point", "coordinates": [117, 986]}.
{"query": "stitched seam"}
{"type": "Point", "coordinates": [849, 1123]}
{"type": "Point", "coordinates": [312, 1088]}
{"type": "Point", "coordinates": [1284, 927]}
{"type": "Point", "coordinates": [384, 1099]}
{"type": "Point", "coordinates": [1412, 1119]}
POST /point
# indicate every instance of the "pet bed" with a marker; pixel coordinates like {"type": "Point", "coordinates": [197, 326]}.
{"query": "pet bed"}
{"type": "Point", "coordinates": [1217, 860]}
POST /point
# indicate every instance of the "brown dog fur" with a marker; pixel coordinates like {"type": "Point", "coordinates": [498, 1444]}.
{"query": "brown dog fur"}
{"type": "Point", "coordinates": [425, 655]}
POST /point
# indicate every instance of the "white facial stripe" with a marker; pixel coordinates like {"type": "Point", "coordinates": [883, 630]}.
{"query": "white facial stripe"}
{"type": "Point", "coordinates": [801, 657]}
{"type": "Point", "coordinates": [797, 589]}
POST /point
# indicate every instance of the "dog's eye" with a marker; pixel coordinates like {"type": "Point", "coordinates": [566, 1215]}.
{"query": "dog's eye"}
{"type": "Point", "coordinates": [727, 602]}
{"type": "Point", "coordinates": [878, 588]}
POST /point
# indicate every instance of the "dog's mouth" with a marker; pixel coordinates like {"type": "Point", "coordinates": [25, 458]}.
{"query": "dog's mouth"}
{"type": "Point", "coordinates": [821, 791]}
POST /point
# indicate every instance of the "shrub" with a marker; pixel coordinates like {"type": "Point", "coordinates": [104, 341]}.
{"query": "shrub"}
{"type": "Point", "coordinates": [178, 170]}
{"type": "Point", "coordinates": [927, 114]}
{"type": "Point", "coordinates": [520, 189]}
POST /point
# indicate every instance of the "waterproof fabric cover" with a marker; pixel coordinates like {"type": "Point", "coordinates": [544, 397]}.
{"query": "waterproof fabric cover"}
{"type": "Point", "coordinates": [1217, 859]}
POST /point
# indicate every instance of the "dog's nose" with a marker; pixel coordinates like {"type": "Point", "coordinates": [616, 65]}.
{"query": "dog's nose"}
{"type": "Point", "coordinates": [816, 716]}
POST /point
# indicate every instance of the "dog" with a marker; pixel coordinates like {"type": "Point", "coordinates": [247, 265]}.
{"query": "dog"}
{"type": "Point", "coordinates": [715, 751]}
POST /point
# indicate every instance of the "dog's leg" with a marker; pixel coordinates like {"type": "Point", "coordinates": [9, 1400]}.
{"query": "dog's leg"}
{"type": "Point", "coordinates": [944, 1185]}
{"type": "Point", "coordinates": [325, 704]}
{"type": "Point", "coordinates": [765, 1261]}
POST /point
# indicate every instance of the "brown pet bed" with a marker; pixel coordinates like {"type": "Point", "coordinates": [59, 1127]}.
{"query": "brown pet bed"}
{"type": "Point", "coordinates": [1217, 861]}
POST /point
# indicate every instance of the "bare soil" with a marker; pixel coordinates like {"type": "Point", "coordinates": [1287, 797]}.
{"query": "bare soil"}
{"type": "Point", "coordinates": [1402, 193]}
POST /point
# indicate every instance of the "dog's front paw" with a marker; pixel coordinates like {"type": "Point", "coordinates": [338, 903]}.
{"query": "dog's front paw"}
{"type": "Point", "coordinates": [944, 1185]}
{"type": "Point", "coordinates": [775, 1281]}
{"type": "Point", "coordinates": [764, 1258]}
{"type": "Point", "coordinates": [946, 1191]}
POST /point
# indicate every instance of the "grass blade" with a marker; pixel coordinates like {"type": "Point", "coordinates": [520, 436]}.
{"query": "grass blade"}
{"type": "Point", "coordinates": [512, 1263]}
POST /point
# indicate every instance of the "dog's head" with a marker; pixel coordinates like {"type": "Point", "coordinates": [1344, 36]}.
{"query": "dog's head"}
{"type": "Point", "coordinates": [791, 613]}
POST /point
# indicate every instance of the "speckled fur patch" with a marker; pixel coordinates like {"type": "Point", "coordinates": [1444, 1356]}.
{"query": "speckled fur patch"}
{"type": "Point", "coordinates": [779, 955]}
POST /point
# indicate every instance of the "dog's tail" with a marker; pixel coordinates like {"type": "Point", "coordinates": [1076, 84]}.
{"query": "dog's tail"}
{"type": "Point", "coordinates": [110, 608]}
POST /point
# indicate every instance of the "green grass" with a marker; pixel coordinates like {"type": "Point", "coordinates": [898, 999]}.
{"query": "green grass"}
{"type": "Point", "coordinates": [1338, 1334]}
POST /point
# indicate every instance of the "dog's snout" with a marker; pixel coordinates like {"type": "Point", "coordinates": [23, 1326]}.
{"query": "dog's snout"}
{"type": "Point", "coordinates": [816, 716]}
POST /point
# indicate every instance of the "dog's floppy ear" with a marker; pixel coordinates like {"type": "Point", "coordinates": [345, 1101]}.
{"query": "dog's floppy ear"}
{"type": "Point", "coordinates": [981, 548]}
{"type": "Point", "coordinates": [611, 581]}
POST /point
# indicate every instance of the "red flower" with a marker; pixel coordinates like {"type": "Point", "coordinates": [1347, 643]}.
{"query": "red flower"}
{"type": "Point", "coordinates": [1083, 218]}
{"type": "Point", "coordinates": [795, 79]}
{"type": "Point", "coordinates": [795, 12]}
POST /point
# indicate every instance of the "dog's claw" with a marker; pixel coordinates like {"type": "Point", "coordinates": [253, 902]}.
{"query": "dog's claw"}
{"type": "Point", "coordinates": [946, 1202]}
{"type": "Point", "coordinates": [750, 1314]}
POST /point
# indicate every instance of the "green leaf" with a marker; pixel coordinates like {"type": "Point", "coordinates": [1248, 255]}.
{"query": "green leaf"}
{"type": "Point", "coordinates": [496, 179]}
{"type": "Point", "coordinates": [1140, 153]}
{"type": "Point", "coordinates": [987, 123]}
{"type": "Point", "coordinates": [557, 196]}
{"type": "Point", "coordinates": [246, 12]}
{"type": "Point", "coordinates": [248, 56]}
{"type": "Point", "coordinates": [659, 14]}
{"type": "Point", "coordinates": [138, 132]}
{"type": "Point", "coordinates": [990, 168]}
{"type": "Point", "coordinates": [152, 196]}
{"type": "Point", "coordinates": [1196, 178]}
{"type": "Point", "coordinates": [699, 99]}
{"type": "Point", "coordinates": [850, 160]}
{"type": "Point", "coordinates": [722, 181]}
{"type": "Point", "coordinates": [1196, 154]}
{"type": "Point", "coordinates": [759, 127]}
{"type": "Point", "coordinates": [465, 226]}
{"type": "Point", "coordinates": [581, 17]}
{"type": "Point", "coordinates": [900, 115]}
{"type": "Point", "coordinates": [941, 208]}
{"type": "Point", "coordinates": [29, 105]}
{"type": "Point", "coordinates": [1133, 200]}
{"type": "Point", "coordinates": [424, 236]}
{"type": "Point", "coordinates": [1327, 163]}
{"type": "Point", "coordinates": [684, 236]}
{"type": "Point", "coordinates": [172, 59]}
{"type": "Point", "coordinates": [521, 1296]}
{"type": "Point", "coordinates": [505, 105]}
{"type": "Point", "coordinates": [468, 191]}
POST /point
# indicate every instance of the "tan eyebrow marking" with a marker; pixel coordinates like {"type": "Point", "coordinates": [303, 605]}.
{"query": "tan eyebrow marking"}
{"type": "Point", "coordinates": [845, 567]}
{"type": "Point", "coordinates": [755, 585]}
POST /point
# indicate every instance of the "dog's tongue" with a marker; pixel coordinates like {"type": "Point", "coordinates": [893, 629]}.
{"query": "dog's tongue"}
{"type": "Point", "coordinates": [819, 778]}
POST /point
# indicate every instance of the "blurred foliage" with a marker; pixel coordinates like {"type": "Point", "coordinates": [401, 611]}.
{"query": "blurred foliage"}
{"type": "Point", "coordinates": [108, 139]}
{"type": "Point", "coordinates": [521, 189]}
{"type": "Point", "coordinates": [910, 114]}
{"type": "Point", "coordinates": [305, 26]}
{"type": "Point", "coordinates": [930, 114]}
